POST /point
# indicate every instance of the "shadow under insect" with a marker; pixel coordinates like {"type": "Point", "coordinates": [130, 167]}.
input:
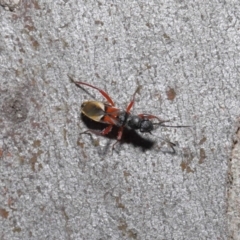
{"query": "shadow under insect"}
{"type": "Point", "coordinates": [129, 136]}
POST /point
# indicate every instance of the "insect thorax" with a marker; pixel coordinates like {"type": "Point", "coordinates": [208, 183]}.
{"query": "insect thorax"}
{"type": "Point", "coordinates": [122, 118]}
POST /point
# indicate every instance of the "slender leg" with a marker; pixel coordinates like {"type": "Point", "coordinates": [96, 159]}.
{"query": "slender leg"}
{"type": "Point", "coordinates": [105, 131]}
{"type": "Point", "coordinates": [119, 137]}
{"type": "Point", "coordinates": [171, 144]}
{"type": "Point", "coordinates": [113, 146]}
{"type": "Point", "coordinates": [133, 100]}
{"type": "Point", "coordinates": [104, 94]}
{"type": "Point", "coordinates": [120, 132]}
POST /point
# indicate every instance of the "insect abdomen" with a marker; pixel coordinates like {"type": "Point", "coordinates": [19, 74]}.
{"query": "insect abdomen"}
{"type": "Point", "coordinates": [94, 110]}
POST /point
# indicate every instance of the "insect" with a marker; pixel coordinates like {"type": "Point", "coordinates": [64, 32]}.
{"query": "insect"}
{"type": "Point", "coordinates": [109, 114]}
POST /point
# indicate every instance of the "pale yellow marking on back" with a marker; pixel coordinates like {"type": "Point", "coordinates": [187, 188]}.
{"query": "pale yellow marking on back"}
{"type": "Point", "coordinates": [94, 110]}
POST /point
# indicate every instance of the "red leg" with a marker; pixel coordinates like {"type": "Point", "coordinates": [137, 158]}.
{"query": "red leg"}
{"type": "Point", "coordinates": [130, 106]}
{"type": "Point", "coordinates": [105, 131]}
{"type": "Point", "coordinates": [119, 137]}
{"type": "Point", "coordinates": [89, 85]}
{"type": "Point", "coordinates": [120, 132]}
{"type": "Point", "coordinates": [133, 100]}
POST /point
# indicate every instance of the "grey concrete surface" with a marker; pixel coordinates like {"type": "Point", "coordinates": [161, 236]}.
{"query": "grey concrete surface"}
{"type": "Point", "coordinates": [58, 184]}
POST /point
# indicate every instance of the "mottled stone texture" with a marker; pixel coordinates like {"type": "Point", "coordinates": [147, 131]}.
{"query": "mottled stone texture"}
{"type": "Point", "coordinates": [58, 184]}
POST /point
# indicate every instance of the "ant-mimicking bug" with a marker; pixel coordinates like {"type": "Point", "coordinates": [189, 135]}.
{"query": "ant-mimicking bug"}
{"type": "Point", "coordinates": [107, 113]}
